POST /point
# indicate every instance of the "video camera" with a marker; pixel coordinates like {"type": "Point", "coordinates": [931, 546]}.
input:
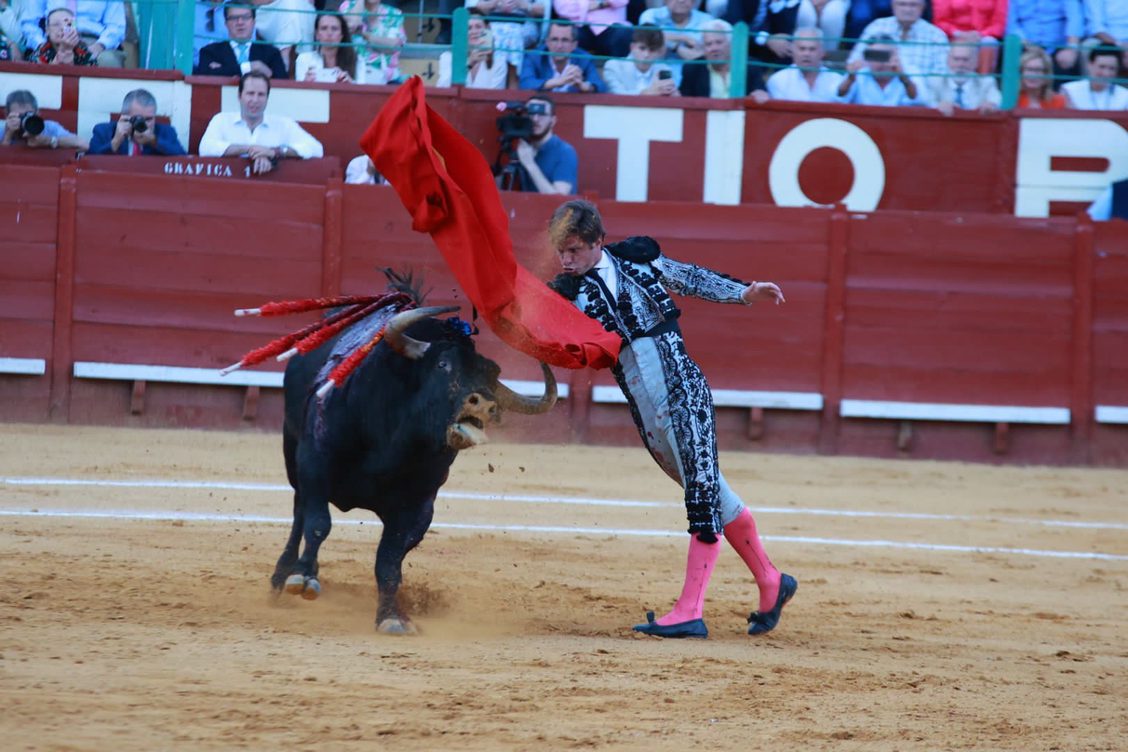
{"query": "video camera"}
{"type": "Point", "coordinates": [31, 124]}
{"type": "Point", "coordinates": [516, 122]}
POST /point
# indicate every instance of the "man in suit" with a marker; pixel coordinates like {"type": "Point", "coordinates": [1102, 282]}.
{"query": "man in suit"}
{"type": "Point", "coordinates": [1112, 203]}
{"type": "Point", "coordinates": [137, 131]}
{"type": "Point", "coordinates": [241, 54]}
{"type": "Point", "coordinates": [711, 78]}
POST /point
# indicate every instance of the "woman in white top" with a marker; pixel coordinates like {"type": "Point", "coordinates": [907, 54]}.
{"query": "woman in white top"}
{"type": "Point", "coordinates": [333, 59]}
{"type": "Point", "coordinates": [485, 69]}
{"type": "Point", "coordinates": [1098, 92]}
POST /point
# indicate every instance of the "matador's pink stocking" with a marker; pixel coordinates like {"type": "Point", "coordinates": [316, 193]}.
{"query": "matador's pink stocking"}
{"type": "Point", "coordinates": [741, 535]}
{"type": "Point", "coordinates": [699, 565]}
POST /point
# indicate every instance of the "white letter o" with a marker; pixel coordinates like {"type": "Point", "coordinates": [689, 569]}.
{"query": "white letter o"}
{"type": "Point", "coordinates": [855, 143]}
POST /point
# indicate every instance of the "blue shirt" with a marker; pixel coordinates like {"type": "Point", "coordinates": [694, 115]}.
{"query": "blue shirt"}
{"type": "Point", "coordinates": [1046, 23]}
{"type": "Point", "coordinates": [867, 91]}
{"type": "Point", "coordinates": [50, 129]}
{"type": "Point", "coordinates": [557, 160]}
{"type": "Point", "coordinates": [537, 68]}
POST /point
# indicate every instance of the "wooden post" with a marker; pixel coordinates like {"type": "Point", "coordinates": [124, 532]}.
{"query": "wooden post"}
{"type": "Point", "coordinates": [61, 349]}
{"type": "Point", "coordinates": [1081, 393]}
{"type": "Point", "coordinates": [834, 329]}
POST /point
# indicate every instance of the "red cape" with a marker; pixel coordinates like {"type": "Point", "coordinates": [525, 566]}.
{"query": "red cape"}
{"type": "Point", "coordinates": [446, 185]}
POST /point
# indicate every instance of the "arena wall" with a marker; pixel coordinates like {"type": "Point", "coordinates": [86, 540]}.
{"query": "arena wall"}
{"type": "Point", "coordinates": [928, 334]}
{"type": "Point", "coordinates": [1025, 163]}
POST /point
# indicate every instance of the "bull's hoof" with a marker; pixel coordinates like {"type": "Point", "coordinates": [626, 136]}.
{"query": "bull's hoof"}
{"type": "Point", "coordinates": [394, 626]}
{"type": "Point", "coordinates": [307, 587]}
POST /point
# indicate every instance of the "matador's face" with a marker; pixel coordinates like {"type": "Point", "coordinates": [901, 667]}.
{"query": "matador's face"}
{"type": "Point", "coordinates": [577, 256]}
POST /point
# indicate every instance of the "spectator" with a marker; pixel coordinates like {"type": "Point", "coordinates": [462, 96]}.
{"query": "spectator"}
{"type": "Point", "coordinates": [770, 26]}
{"type": "Point", "coordinates": [807, 80]}
{"type": "Point", "coordinates": [681, 26]}
{"type": "Point", "coordinates": [980, 22]}
{"type": "Point", "coordinates": [380, 28]}
{"type": "Point", "coordinates": [603, 26]}
{"type": "Point", "coordinates": [333, 58]}
{"type": "Point", "coordinates": [136, 131]}
{"type": "Point", "coordinates": [287, 24]}
{"type": "Point", "coordinates": [1036, 90]}
{"type": "Point", "coordinates": [638, 73]}
{"type": "Point", "coordinates": [361, 171]}
{"type": "Point", "coordinates": [829, 16]}
{"type": "Point", "coordinates": [510, 38]}
{"type": "Point", "coordinates": [1108, 22]}
{"type": "Point", "coordinates": [549, 162]}
{"type": "Point", "coordinates": [559, 66]}
{"type": "Point", "coordinates": [924, 47]}
{"type": "Point", "coordinates": [264, 139]}
{"type": "Point", "coordinates": [10, 34]}
{"type": "Point", "coordinates": [100, 25]}
{"type": "Point", "coordinates": [712, 79]}
{"type": "Point", "coordinates": [864, 12]}
{"type": "Point", "coordinates": [485, 68]}
{"type": "Point", "coordinates": [64, 45]}
{"type": "Point", "coordinates": [241, 54]}
{"type": "Point", "coordinates": [1056, 26]}
{"type": "Point", "coordinates": [962, 89]}
{"type": "Point", "coordinates": [1112, 203]}
{"type": "Point", "coordinates": [880, 79]}
{"type": "Point", "coordinates": [209, 26]}
{"type": "Point", "coordinates": [23, 125]}
{"type": "Point", "coordinates": [1098, 92]}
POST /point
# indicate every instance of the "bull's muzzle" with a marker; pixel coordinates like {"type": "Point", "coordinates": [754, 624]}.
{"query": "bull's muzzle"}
{"type": "Point", "coordinates": [468, 429]}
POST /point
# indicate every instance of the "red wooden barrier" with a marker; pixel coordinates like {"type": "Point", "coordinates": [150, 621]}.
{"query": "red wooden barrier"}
{"type": "Point", "coordinates": [891, 307]}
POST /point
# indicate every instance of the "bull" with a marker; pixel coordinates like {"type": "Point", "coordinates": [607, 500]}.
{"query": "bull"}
{"type": "Point", "coordinates": [385, 442]}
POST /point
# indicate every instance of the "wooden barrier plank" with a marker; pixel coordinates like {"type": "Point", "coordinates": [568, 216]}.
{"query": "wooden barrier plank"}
{"type": "Point", "coordinates": [23, 300]}
{"type": "Point", "coordinates": [25, 339]}
{"type": "Point", "coordinates": [107, 304]}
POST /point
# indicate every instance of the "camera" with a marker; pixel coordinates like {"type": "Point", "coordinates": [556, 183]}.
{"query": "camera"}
{"type": "Point", "coordinates": [664, 75]}
{"type": "Point", "coordinates": [31, 124]}
{"type": "Point", "coordinates": [516, 122]}
{"type": "Point", "coordinates": [877, 56]}
{"type": "Point", "coordinates": [139, 123]}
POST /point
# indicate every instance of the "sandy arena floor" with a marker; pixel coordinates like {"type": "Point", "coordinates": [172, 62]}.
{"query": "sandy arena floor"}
{"type": "Point", "coordinates": [931, 614]}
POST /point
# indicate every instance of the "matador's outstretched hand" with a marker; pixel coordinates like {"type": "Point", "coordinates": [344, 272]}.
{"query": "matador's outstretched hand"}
{"type": "Point", "coordinates": [762, 291]}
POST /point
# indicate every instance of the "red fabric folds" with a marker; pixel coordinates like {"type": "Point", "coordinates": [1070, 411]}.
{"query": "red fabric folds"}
{"type": "Point", "coordinates": [446, 185]}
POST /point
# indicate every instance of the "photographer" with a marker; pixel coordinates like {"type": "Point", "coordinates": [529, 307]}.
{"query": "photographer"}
{"type": "Point", "coordinates": [24, 127]}
{"type": "Point", "coordinates": [137, 131]}
{"type": "Point", "coordinates": [548, 163]}
{"type": "Point", "coordinates": [880, 79]}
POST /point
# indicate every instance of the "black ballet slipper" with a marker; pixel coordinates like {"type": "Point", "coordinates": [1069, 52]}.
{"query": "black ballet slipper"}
{"type": "Point", "coordinates": [693, 628]}
{"type": "Point", "coordinates": [761, 622]}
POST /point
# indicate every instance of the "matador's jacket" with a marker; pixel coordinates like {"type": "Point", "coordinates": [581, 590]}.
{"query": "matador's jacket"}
{"type": "Point", "coordinates": [668, 396]}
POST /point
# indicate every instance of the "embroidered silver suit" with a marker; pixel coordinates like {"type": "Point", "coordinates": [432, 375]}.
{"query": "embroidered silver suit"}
{"type": "Point", "coordinates": [668, 395]}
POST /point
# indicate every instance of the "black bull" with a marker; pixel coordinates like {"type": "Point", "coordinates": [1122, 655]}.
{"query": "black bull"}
{"type": "Point", "coordinates": [385, 442]}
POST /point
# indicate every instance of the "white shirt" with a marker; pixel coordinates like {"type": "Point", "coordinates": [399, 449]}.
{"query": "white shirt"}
{"type": "Point", "coordinates": [357, 172]}
{"type": "Point", "coordinates": [791, 84]}
{"type": "Point", "coordinates": [487, 76]}
{"type": "Point", "coordinates": [227, 128]}
{"type": "Point", "coordinates": [606, 271]}
{"type": "Point", "coordinates": [313, 60]}
{"type": "Point", "coordinates": [1082, 97]}
{"type": "Point", "coordinates": [968, 94]}
{"type": "Point", "coordinates": [284, 24]}
{"type": "Point", "coordinates": [623, 76]}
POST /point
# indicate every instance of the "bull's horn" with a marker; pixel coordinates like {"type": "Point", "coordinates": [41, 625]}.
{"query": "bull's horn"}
{"type": "Point", "coordinates": [409, 347]}
{"type": "Point", "coordinates": [510, 400]}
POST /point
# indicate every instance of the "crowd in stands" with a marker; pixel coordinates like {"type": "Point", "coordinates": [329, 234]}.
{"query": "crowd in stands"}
{"type": "Point", "coordinates": [904, 53]}
{"type": "Point", "coordinates": [939, 53]}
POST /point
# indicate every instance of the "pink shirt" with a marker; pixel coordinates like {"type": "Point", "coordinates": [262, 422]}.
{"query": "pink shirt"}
{"type": "Point", "coordinates": [577, 10]}
{"type": "Point", "coordinates": [988, 17]}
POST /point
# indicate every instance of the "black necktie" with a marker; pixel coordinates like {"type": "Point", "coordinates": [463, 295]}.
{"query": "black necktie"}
{"type": "Point", "coordinates": [594, 276]}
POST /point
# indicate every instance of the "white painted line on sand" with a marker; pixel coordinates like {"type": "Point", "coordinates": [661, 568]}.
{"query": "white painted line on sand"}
{"type": "Point", "coordinates": [140, 515]}
{"type": "Point", "coordinates": [574, 500]}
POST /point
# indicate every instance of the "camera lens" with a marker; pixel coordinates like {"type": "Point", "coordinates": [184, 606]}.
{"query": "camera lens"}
{"type": "Point", "coordinates": [31, 124]}
{"type": "Point", "coordinates": [139, 123]}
